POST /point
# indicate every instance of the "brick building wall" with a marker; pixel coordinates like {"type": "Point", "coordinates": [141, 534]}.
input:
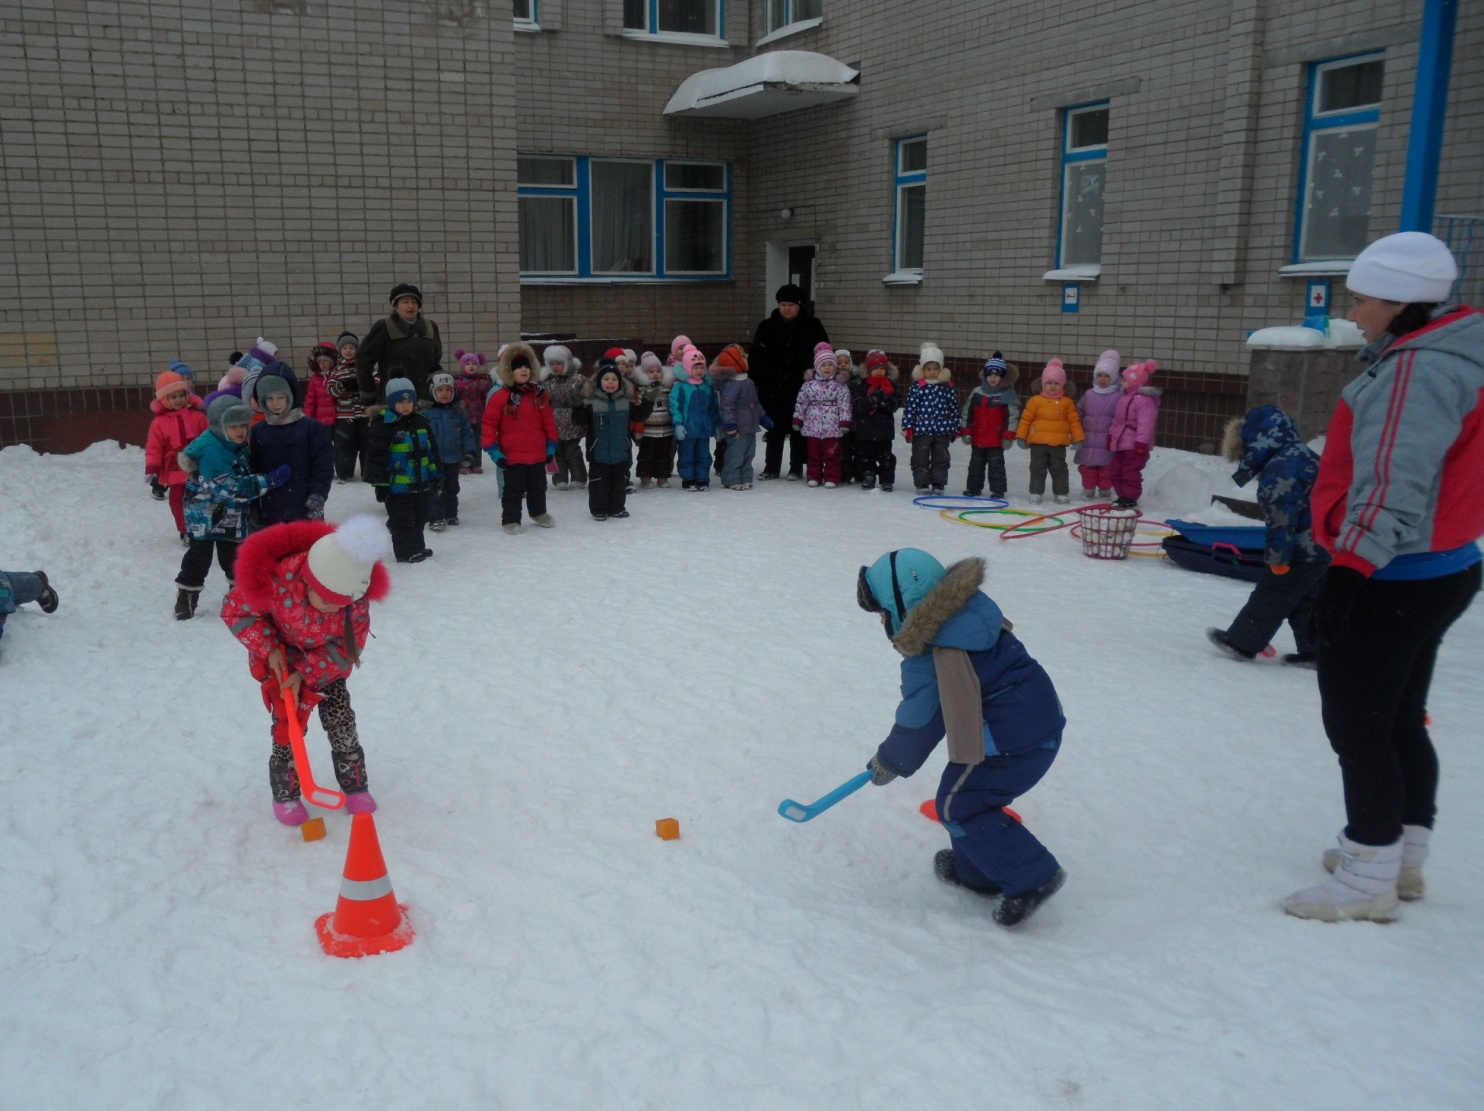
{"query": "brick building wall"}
{"type": "Point", "coordinates": [181, 176]}
{"type": "Point", "coordinates": [185, 175]}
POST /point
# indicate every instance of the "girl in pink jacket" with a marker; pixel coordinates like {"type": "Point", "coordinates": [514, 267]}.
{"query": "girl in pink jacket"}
{"type": "Point", "coordinates": [1132, 433]}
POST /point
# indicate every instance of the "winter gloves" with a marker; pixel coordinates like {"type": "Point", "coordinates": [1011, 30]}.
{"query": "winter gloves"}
{"type": "Point", "coordinates": [497, 457]}
{"type": "Point", "coordinates": [1335, 605]}
{"type": "Point", "coordinates": [907, 434]}
{"type": "Point", "coordinates": [1278, 568]}
{"type": "Point", "coordinates": [1141, 449]}
{"type": "Point", "coordinates": [767, 422]}
{"type": "Point", "coordinates": [880, 773]}
{"type": "Point", "coordinates": [679, 433]}
{"type": "Point", "coordinates": [156, 488]}
{"type": "Point", "coordinates": [281, 474]}
{"type": "Point", "coordinates": [1023, 445]}
{"type": "Point", "coordinates": [314, 505]}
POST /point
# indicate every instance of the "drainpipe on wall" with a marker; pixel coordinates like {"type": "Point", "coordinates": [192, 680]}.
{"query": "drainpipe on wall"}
{"type": "Point", "coordinates": [1429, 106]}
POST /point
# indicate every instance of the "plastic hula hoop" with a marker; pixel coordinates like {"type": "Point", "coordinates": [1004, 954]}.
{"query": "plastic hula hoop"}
{"type": "Point", "coordinates": [1021, 530]}
{"type": "Point", "coordinates": [962, 517]}
{"type": "Point", "coordinates": [926, 501]}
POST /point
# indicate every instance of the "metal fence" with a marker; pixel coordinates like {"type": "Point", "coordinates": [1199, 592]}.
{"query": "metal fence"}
{"type": "Point", "coordinates": [1465, 238]}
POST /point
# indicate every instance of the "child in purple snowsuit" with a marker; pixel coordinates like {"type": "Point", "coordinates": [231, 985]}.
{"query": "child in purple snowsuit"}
{"type": "Point", "coordinates": [1096, 408]}
{"type": "Point", "coordinates": [822, 414]}
{"type": "Point", "coordinates": [1132, 434]}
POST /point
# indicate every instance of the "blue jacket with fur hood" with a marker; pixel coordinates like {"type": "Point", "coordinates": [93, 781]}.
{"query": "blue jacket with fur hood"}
{"type": "Point", "coordinates": [943, 608]}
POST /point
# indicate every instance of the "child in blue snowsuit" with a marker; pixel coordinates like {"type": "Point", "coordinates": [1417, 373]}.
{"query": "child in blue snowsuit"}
{"type": "Point", "coordinates": [286, 437]}
{"type": "Point", "coordinates": [967, 676]}
{"type": "Point", "coordinates": [1266, 444]}
{"type": "Point", "coordinates": [455, 437]}
{"type": "Point", "coordinates": [19, 587]}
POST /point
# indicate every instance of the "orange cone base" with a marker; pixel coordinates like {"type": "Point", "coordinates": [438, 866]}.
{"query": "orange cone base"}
{"type": "Point", "coordinates": [344, 945]}
{"type": "Point", "coordinates": [930, 811]}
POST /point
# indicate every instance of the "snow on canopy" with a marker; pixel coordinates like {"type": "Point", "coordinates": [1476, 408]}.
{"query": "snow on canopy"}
{"type": "Point", "coordinates": [765, 85]}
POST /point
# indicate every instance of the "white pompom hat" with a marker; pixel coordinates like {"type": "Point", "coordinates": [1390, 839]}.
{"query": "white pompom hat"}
{"type": "Point", "coordinates": [340, 564]}
{"type": "Point", "coordinates": [1410, 267]}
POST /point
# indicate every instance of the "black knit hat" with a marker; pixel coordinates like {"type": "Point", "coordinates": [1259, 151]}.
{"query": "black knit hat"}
{"type": "Point", "coordinates": [349, 337]}
{"type": "Point", "coordinates": [789, 294]}
{"type": "Point", "coordinates": [407, 289]}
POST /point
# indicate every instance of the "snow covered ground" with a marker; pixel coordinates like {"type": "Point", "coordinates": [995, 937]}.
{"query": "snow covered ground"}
{"type": "Point", "coordinates": [532, 704]}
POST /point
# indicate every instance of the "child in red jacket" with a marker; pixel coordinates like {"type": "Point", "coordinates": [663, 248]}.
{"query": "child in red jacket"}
{"type": "Point", "coordinates": [990, 417]}
{"type": "Point", "coordinates": [520, 437]}
{"type": "Point", "coordinates": [302, 607]}
{"type": "Point", "coordinates": [179, 417]}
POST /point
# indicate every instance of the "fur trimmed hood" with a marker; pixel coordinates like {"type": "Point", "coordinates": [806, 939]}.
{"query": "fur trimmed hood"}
{"type": "Point", "coordinates": [260, 554]}
{"type": "Point", "coordinates": [1231, 441]}
{"type": "Point", "coordinates": [842, 375]}
{"type": "Point", "coordinates": [944, 375]}
{"type": "Point", "coordinates": [1009, 378]}
{"type": "Point", "coordinates": [640, 376]}
{"type": "Point", "coordinates": [626, 387]}
{"type": "Point", "coordinates": [960, 582]}
{"type": "Point", "coordinates": [540, 372]}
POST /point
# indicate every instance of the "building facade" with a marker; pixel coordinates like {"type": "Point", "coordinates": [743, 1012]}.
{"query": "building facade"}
{"type": "Point", "coordinates": [1039, 178]}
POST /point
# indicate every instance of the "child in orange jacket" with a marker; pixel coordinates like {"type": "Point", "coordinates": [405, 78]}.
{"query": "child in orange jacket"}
{"type": "Point", "coordinates": [1048, 423]}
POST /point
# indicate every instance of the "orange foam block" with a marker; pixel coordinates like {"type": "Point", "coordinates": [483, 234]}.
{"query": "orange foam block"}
{"type": "Point", "coordinates": [930, 811]}
{"type": "Point", "coordinates": [313, 829]}
{"type": "Point", "coordinates": [667, 829]}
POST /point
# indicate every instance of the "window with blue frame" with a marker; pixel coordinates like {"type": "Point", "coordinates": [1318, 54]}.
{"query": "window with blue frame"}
{"type": "Point", "coordinates": [1339, 156]}
{"type": "Point", "coordinates": [623, 218]}
{"type": "Point", "coordinates": [526, 12]}
{"type": "Point", "coordinates": [674, 17]}
{"type": "Point", "coordinates": [781, 13]}
{"type": "Point", "coordinates": [910, 216]}
{"type": "Point", "coordinates": [1084, 164]}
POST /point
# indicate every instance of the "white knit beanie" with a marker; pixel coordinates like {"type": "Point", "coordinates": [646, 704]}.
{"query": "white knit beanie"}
{"type": "Point", "coordinates": [1410, 267]}
{"type": "Point", "coordinates": [930, 353]}
{"type": "Point", "coordinates": [340, 564]}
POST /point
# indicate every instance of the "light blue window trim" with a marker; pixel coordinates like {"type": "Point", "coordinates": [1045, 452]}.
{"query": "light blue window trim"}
{"type": "Point", "coordinates": [779, 14]}
{"type": "Point", "coordinates": [651, 9]}
{"type": "Point", "coordinates": [705, 203]}
{"type": "Point", "coordinates": [1310, 243]}
{"type": "Point", "coordinates": [909, 201]}
{"type": "Point", "coordinates": [1072, 248]}
{"type": "Point", "coordinates": [528, 15]}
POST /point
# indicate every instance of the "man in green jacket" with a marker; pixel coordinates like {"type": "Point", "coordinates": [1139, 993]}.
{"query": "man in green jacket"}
{"type": "Point", "coordinates": [406, 338]}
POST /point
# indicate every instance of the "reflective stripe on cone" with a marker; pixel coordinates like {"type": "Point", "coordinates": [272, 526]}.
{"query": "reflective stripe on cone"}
{"type": "Point", "coordinates": [367, 919]}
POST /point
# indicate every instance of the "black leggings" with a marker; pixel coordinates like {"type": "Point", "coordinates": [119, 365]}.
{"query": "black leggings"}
{"type": "Point", "coordinates": [196, 563]}
{"type": "Point", "coordinates": [1373, 688]}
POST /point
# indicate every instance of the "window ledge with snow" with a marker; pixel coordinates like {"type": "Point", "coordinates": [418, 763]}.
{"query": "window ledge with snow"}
{"type": "Point", "coordinates": [790, 29]}
{"type": "Point", "coordinates": [1086, 272]}
{"type": "Point", "coordinates": [675, 38]}
{"type": "Point", "coordinates": [527, 27]}
{"type": "Point", "coordinates": [1342, 336]}
{"type": "Point", "coordinates": [1332, 267]}
{"type": "Point", "coordinates": [903, 277]}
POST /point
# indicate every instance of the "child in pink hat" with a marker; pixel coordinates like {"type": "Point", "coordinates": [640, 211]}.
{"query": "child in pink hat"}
{"type": "Point", "coordinates": [1131, 436]}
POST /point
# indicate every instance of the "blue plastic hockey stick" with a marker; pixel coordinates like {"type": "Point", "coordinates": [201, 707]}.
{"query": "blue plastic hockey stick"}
{"type": "Point", "coordinates": [798, 812]}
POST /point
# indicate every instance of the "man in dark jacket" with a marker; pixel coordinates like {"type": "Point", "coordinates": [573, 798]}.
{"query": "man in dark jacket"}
{"type": "Point", "coordinates": [782, 349]}
{"type": "Point", "coordinates": [406, 338]}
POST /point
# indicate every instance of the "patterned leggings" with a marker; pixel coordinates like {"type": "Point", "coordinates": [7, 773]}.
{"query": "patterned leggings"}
{"type": "Point", "coordinates": [339, 722]}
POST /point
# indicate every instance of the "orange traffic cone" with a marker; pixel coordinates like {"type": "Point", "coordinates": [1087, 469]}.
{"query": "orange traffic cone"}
{"type": "Point", "coordinates": [368, 918]}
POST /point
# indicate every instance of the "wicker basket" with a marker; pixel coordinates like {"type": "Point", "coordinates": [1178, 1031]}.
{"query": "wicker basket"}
{"type": "Point", "coordinates": [1108, 533]}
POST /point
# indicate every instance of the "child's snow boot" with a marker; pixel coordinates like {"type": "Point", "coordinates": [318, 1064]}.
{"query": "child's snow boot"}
{"type": "Point", "coordinates": [512, 528]}
{"type": "Point", "coordinates": [1061, 499]}
{"type": "Point", "coordinates": [1012, 910]}
{"type": "Point", "coordinates": [1219, 638]}
{"type": "Point", "coordinates": [1409, 883]}
{"type": "Point", "coordinates": [1309, 660]}
{"type": "Point", "coordinates": [869, 483]}
{"type": "Point", "coordinates": [1088, 494]}
{"type": "Point", "coordinates": [47, 599]}
{"type": "Point", "coordinates": [291, 813]}
{"type": "Point", "coordinates": [185, 603]}
{"type": "Point", "coordinates": [945, 871]}
{"type": "Point", "coordinates": [1126, 503]}
{"type": "Point", "coordinates": [1104, 495]}
{"type": "Point", "coordinates": [438, 525]}
{"type": "Point", "coordinates": [1035, 499]}
{"type": "Point", "coordinates": [1363, 887]}
{"type": "Point", "coordinates": [360, 802]}
{"type": "Point", "coordinates": [546, 520]}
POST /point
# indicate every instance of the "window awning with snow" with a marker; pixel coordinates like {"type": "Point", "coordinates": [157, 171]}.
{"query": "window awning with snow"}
{"type": "Point", "coordinates": [765, 85]}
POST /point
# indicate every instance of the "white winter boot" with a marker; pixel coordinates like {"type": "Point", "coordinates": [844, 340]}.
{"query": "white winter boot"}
{"type": "Point", "coordinates": [1363, 886]}
{"type": "Point", "coordinates": [1409, 883]}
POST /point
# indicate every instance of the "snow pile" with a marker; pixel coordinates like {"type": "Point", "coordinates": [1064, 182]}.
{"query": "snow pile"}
{"type": "Point", "coordinates": [531, 705]}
